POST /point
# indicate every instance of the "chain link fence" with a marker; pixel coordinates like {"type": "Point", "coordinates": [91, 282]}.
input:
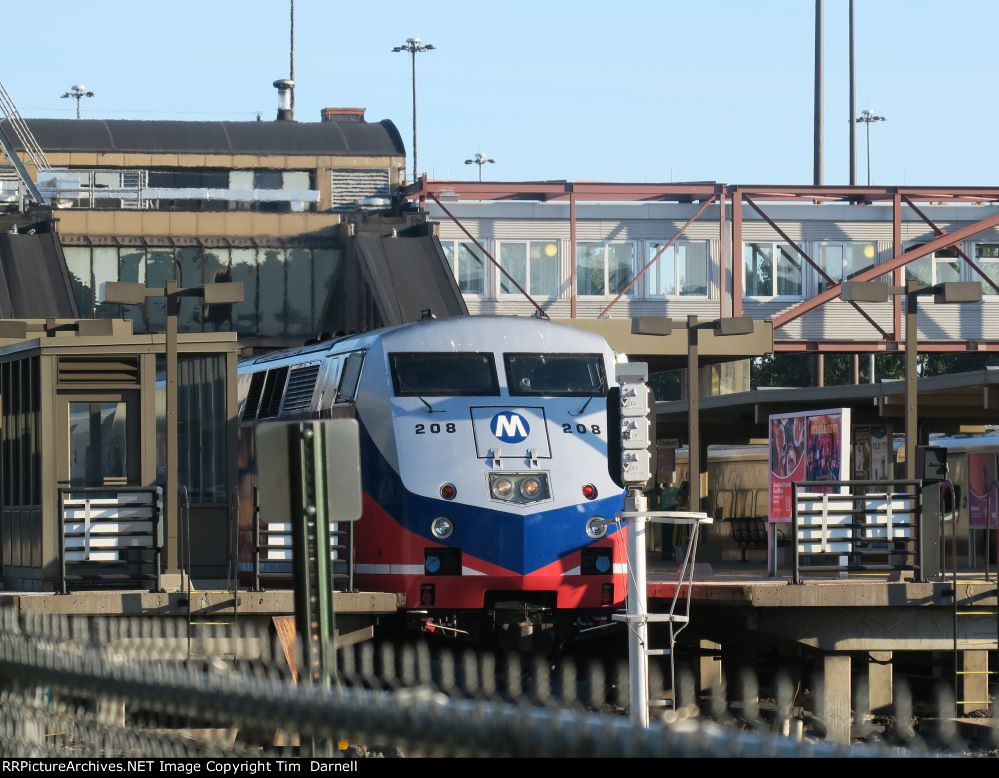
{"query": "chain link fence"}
{"type": "Point", "coordinates": [144, 687]}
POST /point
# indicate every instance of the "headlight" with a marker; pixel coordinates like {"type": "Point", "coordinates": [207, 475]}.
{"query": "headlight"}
{"type": "Point", "coordinates": [502, 488]}
{"type": "Point", "coordinates": [596, 527]}
{"type": "Point", "coordinates": [519, 488]}
{"type": "Point", "coordinates": [530, 488]}
{"type": "Point", "coordinates": [442, 527]}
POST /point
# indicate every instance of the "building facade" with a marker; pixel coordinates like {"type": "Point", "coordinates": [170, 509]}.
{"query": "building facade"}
{"type": "Point", "coordinates": [796, 253]}
{"type": "Point", "coordinates": [256, 202]}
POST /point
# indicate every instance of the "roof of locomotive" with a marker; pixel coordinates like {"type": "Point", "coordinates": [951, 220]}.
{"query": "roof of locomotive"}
{"type": "Point", "coordinates": [453, 333]}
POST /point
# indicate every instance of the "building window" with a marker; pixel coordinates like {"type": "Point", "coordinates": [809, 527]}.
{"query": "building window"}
{"type": "Point", "coordinates": [936, 268]}
{"type": "Point", "coordinates": [534, 264]}
{"type": "Point", "coordinates": [285, 290]}
{"type": "Point", "coordinates": [987, 258]}
{"type": "Point", "coordinates": [773, 270]}
{"type": "Point", "coordinates": [467, 264]}
{"type": "Point", "coordinates": [842, 261]}
{"type": "Point", "coordinates": [680, 271]}
{"type": "Point", "coordinates": [604, 268]}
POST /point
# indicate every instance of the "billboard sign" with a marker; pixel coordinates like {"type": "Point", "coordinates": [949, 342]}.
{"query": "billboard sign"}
{"type": "Point", "coordinates": [983, 491]}
{"type": "Point", "coordinates": [806, 446]}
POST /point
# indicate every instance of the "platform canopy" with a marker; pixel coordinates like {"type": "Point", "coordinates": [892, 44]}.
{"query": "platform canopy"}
{"type": "Point", "coordinates": [669, 351]}
{"type": "Point", "coordinates": [961, 402]}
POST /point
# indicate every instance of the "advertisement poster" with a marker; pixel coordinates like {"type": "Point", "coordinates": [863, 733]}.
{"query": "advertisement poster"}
{"type": "Point", "coordinates": [882, 453]}
{"type": "Point", "coordinates": [806, 446]}
{"type": "Point", "coordinates": [872, 448]}
{"type": "Point", "coordinates": [861, 453]}
{"type": "Point", "coordinates": [983, 491]}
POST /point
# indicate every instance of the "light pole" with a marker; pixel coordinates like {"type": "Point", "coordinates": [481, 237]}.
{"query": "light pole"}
{"type": "Point", "coordinates": [136, 294]}
{"type": "Point", "coordinates": [414, 46]}
{"type": "Point", "coordinates": [732, 325]}
{"type": "Point", "coordinates": [78, 92]}
{"type": "Point", "coordinates": [868, 117]}
{"type": "Point", "coordinates": [949, 292]}
{"type": "Point", "coordinates": [480, 159]}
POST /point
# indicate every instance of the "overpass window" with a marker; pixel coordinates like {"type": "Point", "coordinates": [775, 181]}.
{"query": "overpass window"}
{"type": "Point", "coordinates": [445, 374]}
{"type": "Point", "coordinates": [534, 264]}
{"type": "Point", "coordinates": [987, 258]}
{"type": "Point", "coordinates": [842, 261]}
{"type": "Point", "coordinates": [558, 375]}
{"type": "Point", "coordinates": [936, 268]}
{"type": "Point", "coordinates": [467, 264]}
{"type": "Point", "coordinates": [680, 271]}
{"type": "Point", "coordinates": [772, 270]}
{"type": "Point", "coordinates": [604, 268]}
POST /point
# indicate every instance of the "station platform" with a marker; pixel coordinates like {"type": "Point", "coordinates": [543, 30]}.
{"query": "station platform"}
{"type": "Point", "coordinates": [852, 626]}
{"type": "Point", "coordinates": [270, 603]}
{"type": "Point", "coordinates": [750, 586]}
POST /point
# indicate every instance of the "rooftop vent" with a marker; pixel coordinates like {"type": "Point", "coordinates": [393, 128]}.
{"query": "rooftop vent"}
{"type": "Point", "coordinates": [284, 87]}
{"type": "Point", "coordinates": [342, 114]}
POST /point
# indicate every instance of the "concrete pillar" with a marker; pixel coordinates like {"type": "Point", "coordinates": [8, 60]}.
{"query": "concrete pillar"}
{"type": "Point", "coordinates": [738, 663]}
{"type": "Point", "coordinates": [835, 699]}
{"type": "Point", "coordinates": [880, 693]}
{"type": "Point", "coordinates": [709, 668]}
{"type": "Point", "coordinates": [973, 686]}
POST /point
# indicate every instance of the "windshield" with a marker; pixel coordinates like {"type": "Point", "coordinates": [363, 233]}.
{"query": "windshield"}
{"type": "Point", "coordinates": [444, 375]}
{"type": "Point", "coordinates": [577, 375]}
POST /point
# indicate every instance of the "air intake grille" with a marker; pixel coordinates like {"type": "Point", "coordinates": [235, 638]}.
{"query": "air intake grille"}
{"type": "Point", "coordinates": [301, 386]}
{"type": "Point", "coordinates": [351, 186]}
{"type": "Point", "coordinates": [270, 403]}
{"type": "Point", "coordinates": [253, 396]}
{"type": "Point", "coordinates": [114, 370]}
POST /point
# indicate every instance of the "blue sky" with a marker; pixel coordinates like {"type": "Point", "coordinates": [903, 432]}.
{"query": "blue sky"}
{"type": "Point", "coordinates": [621, 91]}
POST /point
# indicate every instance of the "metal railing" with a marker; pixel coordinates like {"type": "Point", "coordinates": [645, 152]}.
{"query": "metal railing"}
{"type": "Point", "coordinates": [846, 526]}
{"type": "Point", "coordinates": [273, 551]}
{"type": "Point", "coordinates": [109, 536]}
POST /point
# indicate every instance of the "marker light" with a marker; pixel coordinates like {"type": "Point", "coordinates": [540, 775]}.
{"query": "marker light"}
{"type": "Point", "coordinates": [530, 488]}
{"type": "Point", "coordinates": [442, 527]}
{"type": "Point", "coordinates": [448, 491]}
{"type": "Point", "coordinates": [590, 492]}
{"type": "Point", "coordinates": [596, 527]}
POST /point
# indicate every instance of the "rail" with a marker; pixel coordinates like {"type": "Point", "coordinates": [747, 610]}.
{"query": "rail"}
{"type": "Point", "coordinates": [834, 525]}
{"type": "Point", "coordinates": [109, 535]}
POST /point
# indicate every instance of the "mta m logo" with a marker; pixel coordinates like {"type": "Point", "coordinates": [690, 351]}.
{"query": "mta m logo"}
{"type": "Point", "coordinates": [510, 427]}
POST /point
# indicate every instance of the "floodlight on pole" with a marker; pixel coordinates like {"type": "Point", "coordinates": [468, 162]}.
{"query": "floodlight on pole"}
{"type": "Point", "coordinates": [949, 292]}
{"type": "Point", "coordinates": [78, 92]}
{"type": "Point", "coordinates": [480, 159]}
{"type": "Point", "coordinates": [414, 46]}
{"type": "Point", "coordinates": [724, 327]}
{"type": "Point", "coordinates": [868, 117]}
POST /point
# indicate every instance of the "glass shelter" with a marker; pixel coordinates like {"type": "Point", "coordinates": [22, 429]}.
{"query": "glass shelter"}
{"type": "Point", "coordinates": [82, 441]}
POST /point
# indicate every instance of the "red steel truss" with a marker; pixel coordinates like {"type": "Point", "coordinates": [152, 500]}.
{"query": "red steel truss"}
{"type": "Point", "coordinates": [736, 197]}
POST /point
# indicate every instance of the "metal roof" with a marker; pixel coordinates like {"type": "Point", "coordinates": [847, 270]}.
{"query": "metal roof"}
{"type": "Point", "coordinates": [946, 403]}
{"type": "Point", "coordinates": [271, 137]}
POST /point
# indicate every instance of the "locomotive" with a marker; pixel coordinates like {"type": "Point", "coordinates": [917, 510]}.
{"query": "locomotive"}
{"type": "Point", "coordinates": [487, 500]}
